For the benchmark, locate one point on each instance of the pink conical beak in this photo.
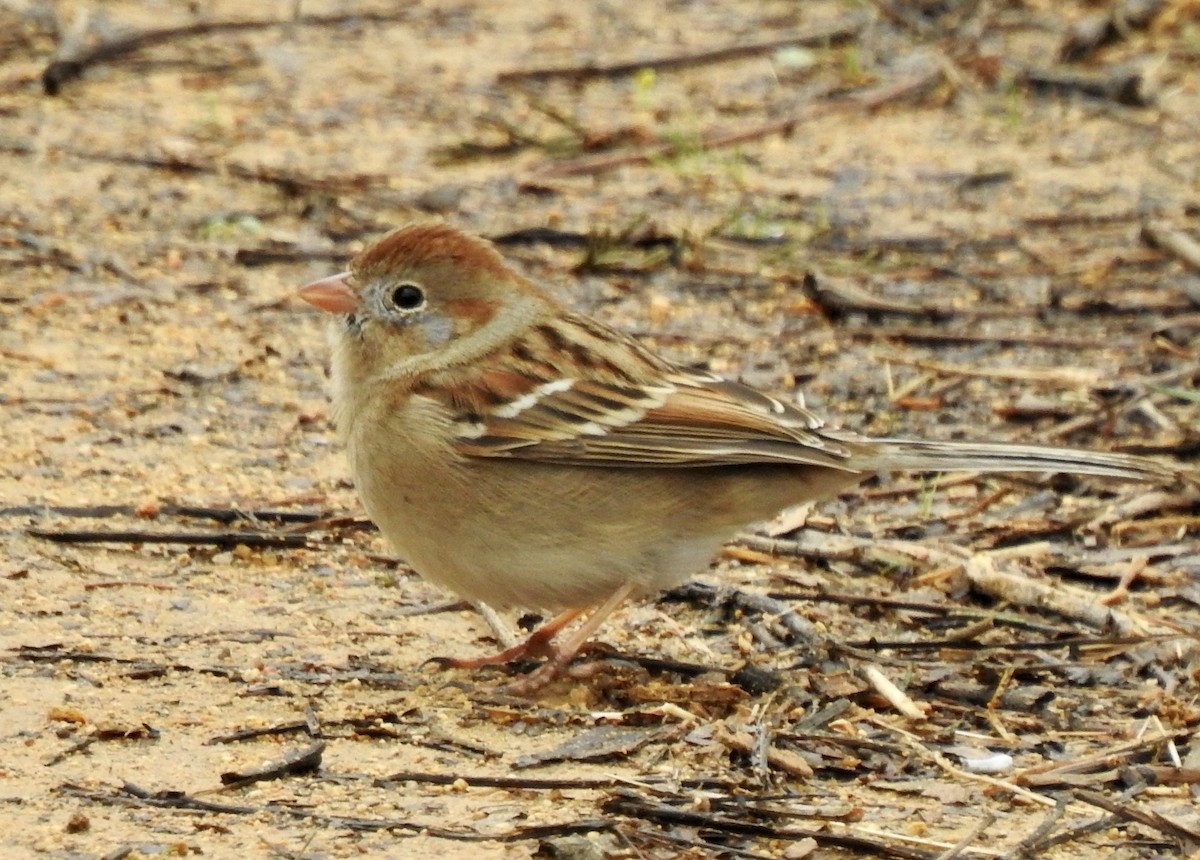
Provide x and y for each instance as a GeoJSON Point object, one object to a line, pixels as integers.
{"type": "Point", "coordinates": [331, 294]}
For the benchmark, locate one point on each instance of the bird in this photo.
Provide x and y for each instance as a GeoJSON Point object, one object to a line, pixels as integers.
{"type": "Point", "coordinates": [521, 453]}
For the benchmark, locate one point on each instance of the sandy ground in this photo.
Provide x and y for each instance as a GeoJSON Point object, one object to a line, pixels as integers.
{"type": "Point", "coordinates": [150, 357]}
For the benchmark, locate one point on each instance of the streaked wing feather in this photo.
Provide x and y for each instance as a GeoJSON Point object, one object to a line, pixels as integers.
{"type": "Point", "coordinates": [677, 420]}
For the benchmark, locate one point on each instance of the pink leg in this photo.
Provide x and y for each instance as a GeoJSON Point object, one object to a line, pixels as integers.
{"type": "Point", "coordinates": [560, 656]}
{"type": "Point", "coordinates": [539, 644]}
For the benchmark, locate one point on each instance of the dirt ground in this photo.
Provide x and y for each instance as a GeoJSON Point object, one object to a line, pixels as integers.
{"type": "Point", "coordinates": [925, 217]}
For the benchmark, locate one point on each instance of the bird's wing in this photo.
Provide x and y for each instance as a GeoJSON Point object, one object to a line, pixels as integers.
{"type": "Point", "coordinates": [538, 401]}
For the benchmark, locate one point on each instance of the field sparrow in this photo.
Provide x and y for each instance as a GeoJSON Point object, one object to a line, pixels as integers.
{"type": "Point", "coordinates": [520, 453]}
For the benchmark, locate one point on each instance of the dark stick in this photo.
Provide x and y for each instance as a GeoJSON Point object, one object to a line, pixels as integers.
{"type": "Point", "coordinates": [222, 539]}
{"type": "Point", "coordinates": [516, 783]}
{"type": "Point", "coordinates": [65, 69]}
{"type": "Point", "coordinates": [296, 763]}
{"type": "Point", "coordinates": [251, 734]}
{"type": "Point", "coordinates": [866, 100]}
{"type": "Point", "coordinates": [1122, 85]}
{"type": "Point", "coordinates": [132, 795]}
{"type": "Point", "coordinates": [1154, 820]}
{"type": "Point", "coordinates": [221, 515]}
{"type": "Point", "coordinates": [835, 34]}
{"type": "Point", "coordinates": [627, 803]}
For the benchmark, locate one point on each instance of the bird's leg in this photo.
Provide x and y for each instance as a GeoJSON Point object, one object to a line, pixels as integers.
{"type": "Point", "coordinates": [558, 657]}
{"type": "Point", "coordinates": [538, 644]}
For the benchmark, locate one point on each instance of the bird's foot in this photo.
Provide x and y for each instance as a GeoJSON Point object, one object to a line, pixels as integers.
{"type": "Point", "coordinates": [538, 645]}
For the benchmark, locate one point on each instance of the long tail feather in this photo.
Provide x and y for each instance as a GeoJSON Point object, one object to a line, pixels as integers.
{"type": "Point", "coordinates": [906, 454]}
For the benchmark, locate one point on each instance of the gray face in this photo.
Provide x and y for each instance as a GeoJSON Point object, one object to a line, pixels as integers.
{"type": "Point", "coordinates": [404, 304]}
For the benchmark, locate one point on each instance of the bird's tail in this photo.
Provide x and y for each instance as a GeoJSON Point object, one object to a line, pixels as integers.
{"type": "Point", "coordinates": [913, 455]}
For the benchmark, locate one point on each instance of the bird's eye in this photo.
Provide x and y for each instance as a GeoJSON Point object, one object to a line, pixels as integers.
{"type": "Point", "coordinates": [407, 297]}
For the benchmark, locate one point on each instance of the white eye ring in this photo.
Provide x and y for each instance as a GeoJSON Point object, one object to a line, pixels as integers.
{"type": "Point", "coordinates": [406, 297]}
